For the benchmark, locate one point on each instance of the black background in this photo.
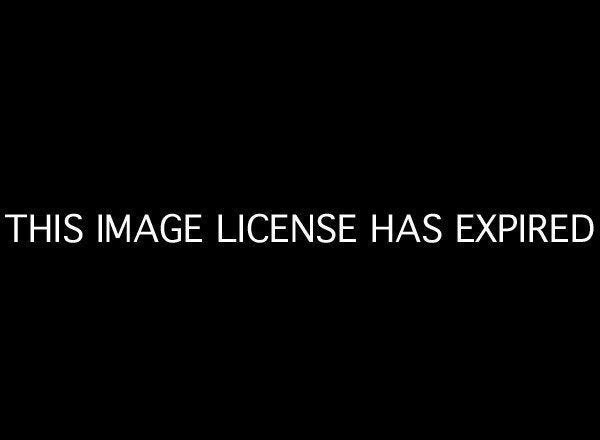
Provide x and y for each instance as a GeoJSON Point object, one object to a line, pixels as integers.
{"type": "Point", "coordinates": [386, 112]}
